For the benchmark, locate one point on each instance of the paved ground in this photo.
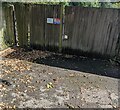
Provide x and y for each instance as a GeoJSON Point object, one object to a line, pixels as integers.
{"type": "Point", "coordinates": [33, 85]}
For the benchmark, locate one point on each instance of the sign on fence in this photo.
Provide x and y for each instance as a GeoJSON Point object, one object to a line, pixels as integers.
{"type": "Point", "coordinates": [56, 21]}
{"type": "Point", "coordinates": [50, 20]}
{"type": "Point", "coordinates": [53, 20]}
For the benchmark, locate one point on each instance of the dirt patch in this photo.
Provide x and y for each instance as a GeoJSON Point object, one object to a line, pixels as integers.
{"type": "Point", "coordinates": [43, 85]}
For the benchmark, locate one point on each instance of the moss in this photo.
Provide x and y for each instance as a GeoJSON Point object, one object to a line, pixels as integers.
{"type": "Point", "coordinates": [3, 45]}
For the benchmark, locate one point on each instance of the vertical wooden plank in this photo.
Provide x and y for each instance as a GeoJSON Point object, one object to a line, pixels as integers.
{"type": "Point", "coordinates": [115, 33]}
{"type": "Point", "coordinates": [118, 40]}
{"type": "Point", "coordinates": [69, 26]}
{"type": "Point", "coordinates": [52, 31]}
{"type": "Point", "coordinates": [2, 27]}
{"type": "Point", "coordinates": [37, 38]}
{"type": "Point", "coordinates": [9, 32]}
{"type": "Point", "coordinates": [28, 21]}
{"type": "Point", "coordinates": [21, 12]}
{"type": "Point", "coordinates": [112, 33]}
{"type": "Point", "coordinates": [49, 28]}
{"type": "Point", "coordinates": [61, 28]}
{"type": "Point", "coordinates": [1, 15]}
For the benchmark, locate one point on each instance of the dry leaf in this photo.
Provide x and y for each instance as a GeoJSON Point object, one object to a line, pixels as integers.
{"type": "Point", "coordinates": [49, 85]}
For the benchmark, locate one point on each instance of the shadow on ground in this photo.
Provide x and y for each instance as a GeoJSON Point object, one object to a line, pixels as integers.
{"type": "Point", "coordinates": [72, 62]}
{"type": "Point", "coordinates": [88, 65]}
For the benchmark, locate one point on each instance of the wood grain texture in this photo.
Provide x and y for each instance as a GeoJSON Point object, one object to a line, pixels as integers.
{"type": "Point", "coordinates": [42, 34]}
{"type": "Point", "coordinates": [9, 31]}
{"type": "Point", "coordinates": [21, 13]}
{"type": "Point", "coordinates": [37, 25]}
{"type": "Point", "coordinates": [118, 41]}
{"type": "Point", "coordinates": [91, 30]}
{"type": "Point", "coordinates": [52, 31]}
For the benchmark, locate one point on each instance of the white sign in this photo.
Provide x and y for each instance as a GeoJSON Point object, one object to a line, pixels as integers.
{"type": "Point", "coordinates": [50, 20]}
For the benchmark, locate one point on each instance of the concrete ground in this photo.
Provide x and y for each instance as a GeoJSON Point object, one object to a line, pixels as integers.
{"type": "Point", "coordinates": [25, 83]}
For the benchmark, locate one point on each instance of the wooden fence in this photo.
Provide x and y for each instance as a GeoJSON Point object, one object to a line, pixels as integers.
{"type": "Point", "coordinates": [9, 34]}
{"type": "Point", "coordinates": [89, 30]}
{"type": "Point", "coordinates": [92, 30]}
{"type": "Point", "coordinates": [42, 34]}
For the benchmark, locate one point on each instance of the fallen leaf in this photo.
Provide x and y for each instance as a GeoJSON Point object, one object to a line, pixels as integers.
{"type": "Point", "coordinates": [49, 85]}
{"type": "Point", "coordinates": [69, 105]}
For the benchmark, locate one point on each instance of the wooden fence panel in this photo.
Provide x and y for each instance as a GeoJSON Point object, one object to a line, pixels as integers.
{"type": "Point", "coordinates": [37, 26]}
{"type": "Point", "coordinates": [91, 30]}
{"type": "Point", "coordinates": [44, 35]}
{"type": "Point", "coordinates": [52, 31]}
{"type": "Point", "coordinates": [21, 13]}
{"type": "Point", "coordinates": [119, 34]}
{"type": "Point", "coordinates": [9, 36]}
{"type": "Point", "coordinates": [118, 42]}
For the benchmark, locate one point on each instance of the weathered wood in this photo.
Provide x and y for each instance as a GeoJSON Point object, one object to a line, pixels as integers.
{"type": "Point", "coordinates": [37, 23]}
{"type": "Point", "coordinates": [52, 31]}
{"type": "Point", "coordinates": [118, 41]}
{"type": "Point", "coordinates": [9, 35]}
{"type": "Point", "coordinates": [91, 30]}
{"type": "Point", "coordinates": [21, 13]}
{"type": "Point", "coordinates": [61, 28]}
{"type": "Point", "coordinates": [42, 34]}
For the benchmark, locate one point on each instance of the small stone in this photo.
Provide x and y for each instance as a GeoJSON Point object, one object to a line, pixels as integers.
{"type": "Point", "coordinates": [14, 94]}
{"type": "Point", "coordinates": [113, 96]}
{"type": "Point", "coordinates": [13, 86]}
{"type": "Point", "coordinates": [71, 75]}
{"type": "Point", "coordinates": [25, 91]}
{"type": "Point", "coordinates": [50, 73]}
{"type": "Point", "coordinates": [1, 95]}
{"type": "Point", "coordinates": [1, 86]}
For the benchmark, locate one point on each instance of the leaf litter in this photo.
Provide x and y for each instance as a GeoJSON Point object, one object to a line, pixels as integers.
{"type": "Point", "coordinates": [14, 64]}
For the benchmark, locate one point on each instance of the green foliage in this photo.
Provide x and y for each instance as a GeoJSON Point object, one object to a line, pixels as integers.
{"type": "Point", "coordinates": [82, 4]}
{"type": "Point", "coordinates": [96, 4]}
{"type": "Point", "coordinates": [116, 5]}
{"type": "Point", "coordinates": [86, 4]}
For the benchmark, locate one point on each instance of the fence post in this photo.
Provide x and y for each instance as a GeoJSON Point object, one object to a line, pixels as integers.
{"type": "Point", "coordinates": [118, 41]}
{"type": "Point", "coordinates": [9, 36]}
{"type": "Point", "coordinates": [61, 27]}
{"type": "Point", "coordinates": [21, 13]}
